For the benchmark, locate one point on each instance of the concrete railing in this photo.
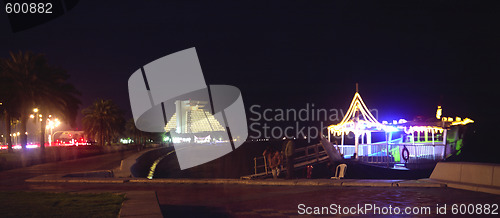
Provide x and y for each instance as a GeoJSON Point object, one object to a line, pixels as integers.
{"type": "Point", "coordinates": [482, 177]}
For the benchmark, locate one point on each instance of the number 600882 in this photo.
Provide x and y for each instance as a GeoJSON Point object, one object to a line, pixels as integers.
{"type": "Point", "coordinates": [28, 8]}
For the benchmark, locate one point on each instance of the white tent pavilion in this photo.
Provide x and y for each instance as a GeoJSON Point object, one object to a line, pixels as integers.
{"type": "Point", "coordinates": [360, 121]}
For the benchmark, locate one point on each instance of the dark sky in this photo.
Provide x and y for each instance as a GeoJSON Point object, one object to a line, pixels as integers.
{"type": "Point", "coordinates": [407, 56]}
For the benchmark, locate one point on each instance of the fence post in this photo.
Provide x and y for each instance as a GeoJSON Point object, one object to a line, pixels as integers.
{"type": "Point", "coordinates": [255, 165]}
{"type": "Point", "coordinates": [265, 164]}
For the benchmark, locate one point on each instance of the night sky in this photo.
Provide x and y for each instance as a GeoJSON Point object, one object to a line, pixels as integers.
{"type": "Point", "coordinates": [407, 56]}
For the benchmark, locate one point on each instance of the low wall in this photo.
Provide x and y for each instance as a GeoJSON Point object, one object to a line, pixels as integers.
{"type": "Point", "coordinates": [482, 177]}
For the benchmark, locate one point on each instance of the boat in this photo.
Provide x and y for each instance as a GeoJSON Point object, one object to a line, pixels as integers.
{"type": "Point", "coordinates": [385, 149]}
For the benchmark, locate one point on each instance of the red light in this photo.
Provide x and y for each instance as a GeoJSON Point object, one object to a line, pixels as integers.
{"type": "Point", "coordinates": [70, 135]}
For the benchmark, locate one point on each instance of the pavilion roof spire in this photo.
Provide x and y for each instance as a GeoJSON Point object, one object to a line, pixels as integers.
{"type": "Point", "coordinates": [348, 123]}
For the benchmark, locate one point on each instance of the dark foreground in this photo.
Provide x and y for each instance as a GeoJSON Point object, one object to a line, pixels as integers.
{"type": "Point", "coordinates": [204, 200]}
{"type": "Point", "coordinates": [234, 200]}
{"type": "Point", "coordinates": [44, 204]}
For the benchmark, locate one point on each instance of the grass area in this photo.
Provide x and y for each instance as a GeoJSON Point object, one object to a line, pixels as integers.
{"type": "Point", "coordinates": [46, 204]}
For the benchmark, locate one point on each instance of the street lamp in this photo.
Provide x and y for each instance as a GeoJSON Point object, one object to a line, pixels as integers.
{"type": "Point", "coordinates": [51, 125]}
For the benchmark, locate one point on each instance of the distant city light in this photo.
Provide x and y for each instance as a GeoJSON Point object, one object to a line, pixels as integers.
{"type": "Point", "coordinates": [126, 140]}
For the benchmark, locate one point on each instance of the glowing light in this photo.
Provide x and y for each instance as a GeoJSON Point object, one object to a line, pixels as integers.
{"type": "Point", "coordinates": [439, 112]}
{"type": "Point", "coordinates": [122, 140]}
{"type": "Point", "coordinates": [391, 129]}
{"type": "Point", "coordinates": [202, 140]}
{"type": "Point", "coordinates": [166, 139]}
{"type": "Point", "coordinates": [32, 116]}
{"type": "Point", "coordinates": [53, 123]}
{"type": "Point", "coordinates": [402, 121]}
{"type": "Point", "coordinates": [349, 122]}
{"type": "Point", "coordinates": [462, 122]}
{"type": "Point", "coordinates": [31, 146]}
{"type": "Point", "coordinates": [153, 166]}
{"type": "Point", "coordinates": [35, 110]}
{"type": "Point", "coordinates": [181, 140]}
{"type": "Point", "coordinates": [433, 129]}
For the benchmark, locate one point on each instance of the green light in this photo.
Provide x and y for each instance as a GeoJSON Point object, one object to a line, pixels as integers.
{"type": "Point", "coordinates": [166, 139]}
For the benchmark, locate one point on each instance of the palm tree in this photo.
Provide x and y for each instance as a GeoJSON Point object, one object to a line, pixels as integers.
{"type": "Point", "coordinates": [137, 135]}
{"type": "Point", "coordinates": [37, 84]}
{"type": "Point", "coordinates": [103, 120]}
{"type": "Point", "coordinates": [8, 103]}
{"type": "Point", "coordinates": [57, 97]}
{"type": "Point", "coordinates": [22, 70]}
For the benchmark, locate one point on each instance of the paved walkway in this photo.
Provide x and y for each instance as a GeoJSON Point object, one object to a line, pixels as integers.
{"type": "Point", "coordinates": [140, 204]}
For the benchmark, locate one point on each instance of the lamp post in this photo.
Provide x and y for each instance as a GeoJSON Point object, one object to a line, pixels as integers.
{"type": "Point", "coordinates": [51, 125]}
{"type": "Point", "coordinates": [35, 116]}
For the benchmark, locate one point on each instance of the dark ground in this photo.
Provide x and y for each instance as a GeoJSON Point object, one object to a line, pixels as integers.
{"type": "Point", "coordinates": [190, 200]}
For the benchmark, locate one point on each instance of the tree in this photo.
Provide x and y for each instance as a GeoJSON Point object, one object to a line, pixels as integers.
{"type": "Point", "coordinates": [9, 105]}
{"type": "Point", "coordinates": [132, 131]}
{"type": "Point", "coordinates": [34, 83]}
{"type": "Point", "coordinates": [56, 97]}
{"type": "Point", "coordinates": [103, 120]}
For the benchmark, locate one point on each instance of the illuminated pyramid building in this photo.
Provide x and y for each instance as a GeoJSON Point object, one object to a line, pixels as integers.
{"type": "Point", "coordinates": [191, 117]}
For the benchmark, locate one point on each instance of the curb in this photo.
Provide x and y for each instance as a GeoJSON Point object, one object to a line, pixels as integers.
{"type": "Point", "coordinates": [466, 186]}
{"type": "Point", "coordinates": [299, 182]}
{"type": "Point", "coordinates": [61, 178]}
